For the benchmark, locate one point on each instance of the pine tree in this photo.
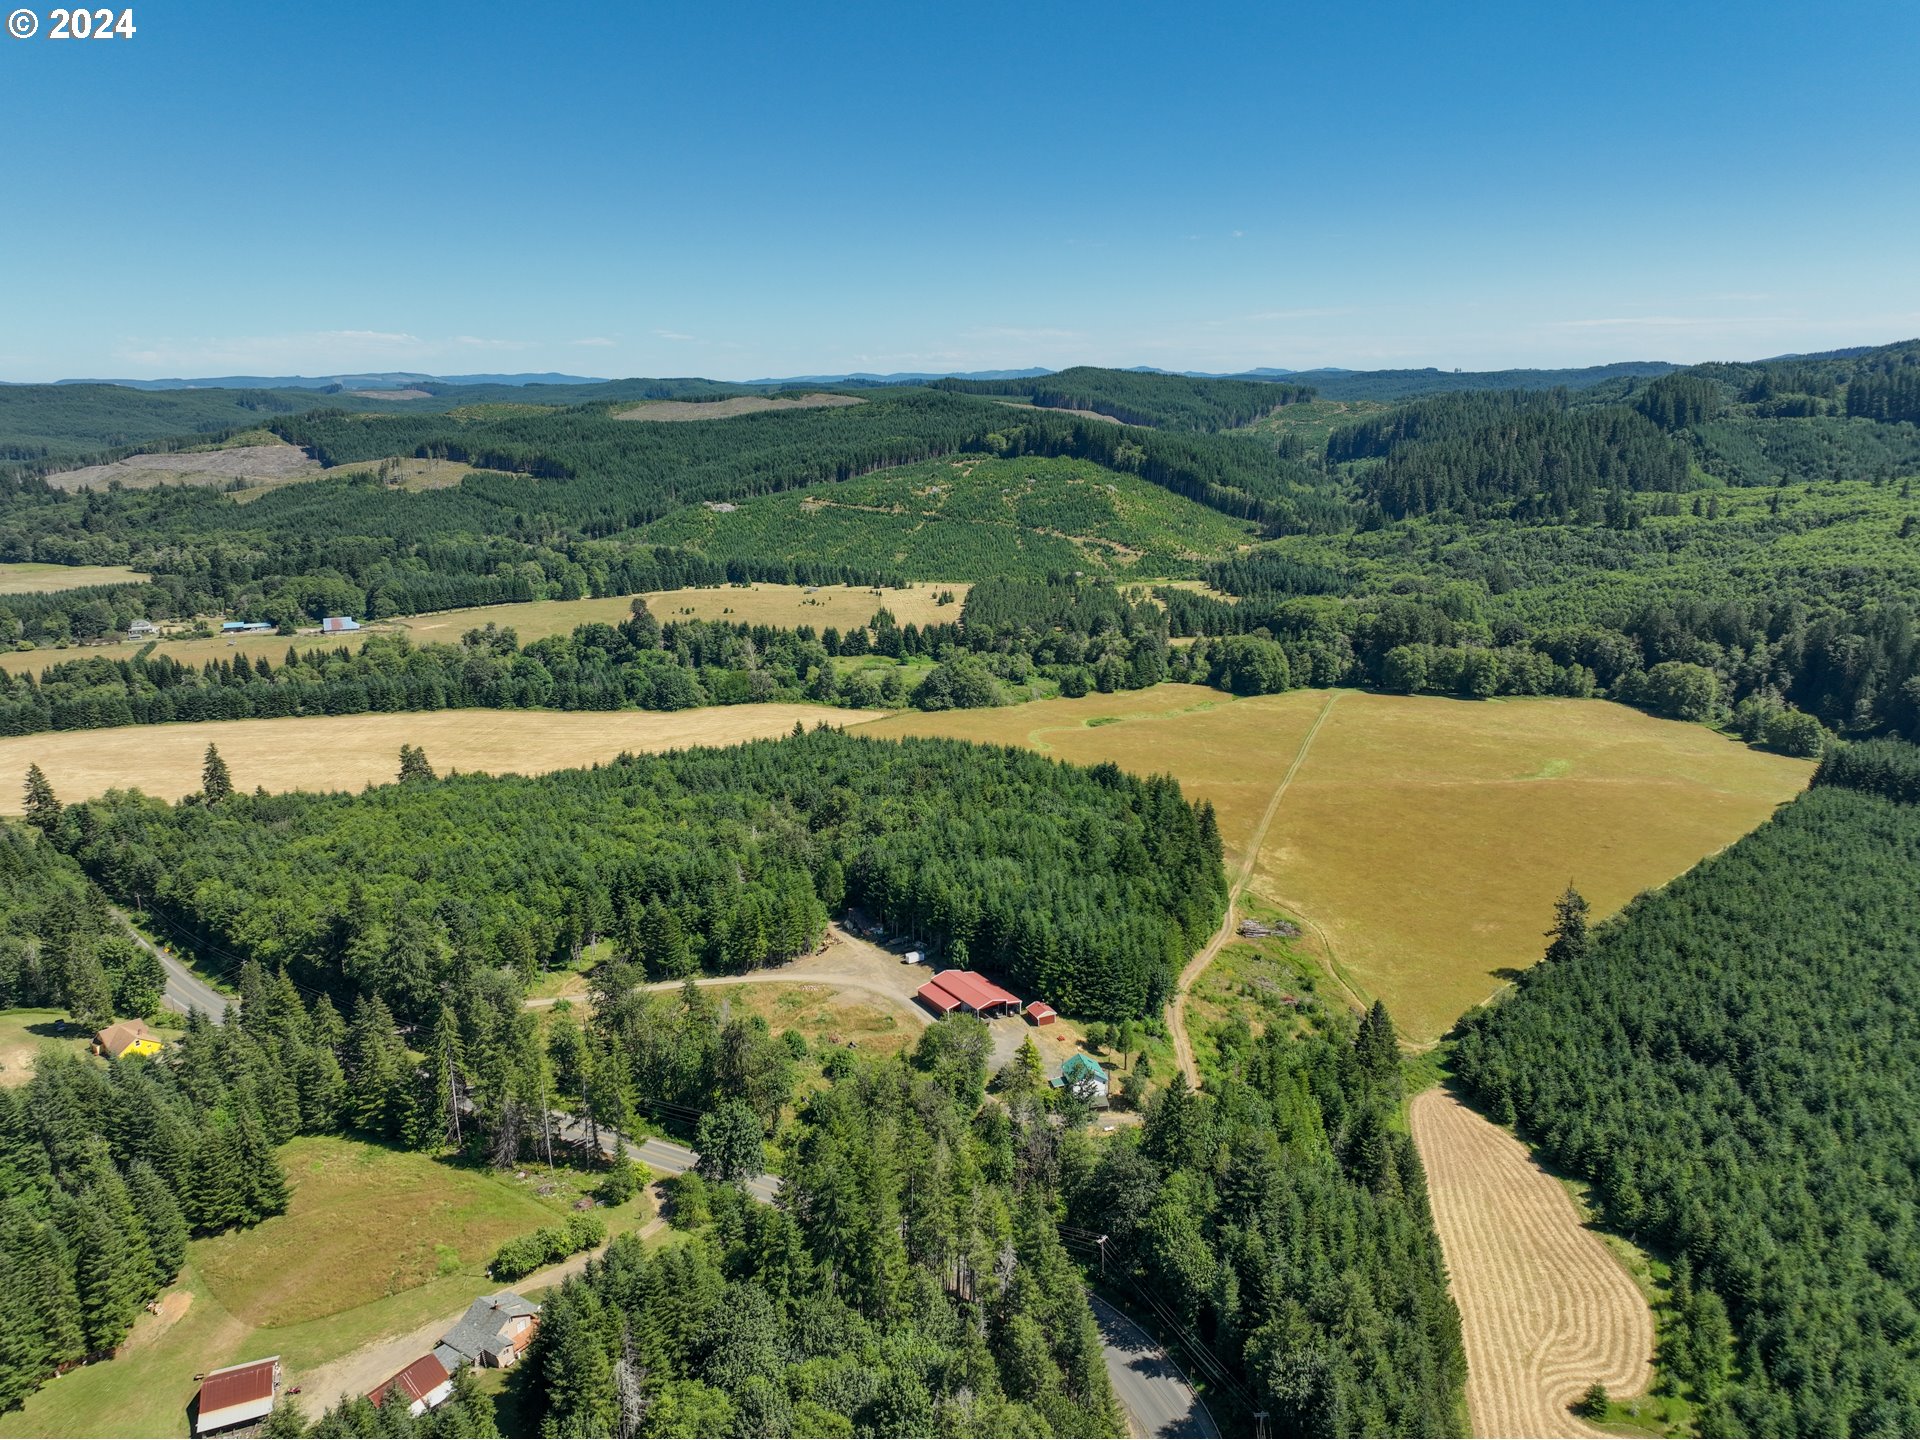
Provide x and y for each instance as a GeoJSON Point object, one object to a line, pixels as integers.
{"type": "Point", "coordinates": [216, 781]}
{"type": "Point", "coordinates": [1569, 937]}
{"type": "Point", "coordinates": [89, 997]}
{"type": "Point", "coordinates": [160, 1219]}
{"type": "Point", "coordinates": [414, 764]}
{"type": "Point", "coordinates": [43, 809]}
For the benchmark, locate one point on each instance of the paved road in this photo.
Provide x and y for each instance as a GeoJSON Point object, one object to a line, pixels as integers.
{"type": "Point", "coordinates": [1150, 1387]}
{"type": "Point", "coordinates": [665, 1155]}
{"type": "Point", "coordinates": [185, 991]}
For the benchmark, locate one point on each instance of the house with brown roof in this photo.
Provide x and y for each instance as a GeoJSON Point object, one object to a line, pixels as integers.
{"type": "Point", "coordinates": [424, 1385]}
{"type": "Point", "coordinates": [127, 1037]}
{"type": "Point", "coordinates": [237, 1395]}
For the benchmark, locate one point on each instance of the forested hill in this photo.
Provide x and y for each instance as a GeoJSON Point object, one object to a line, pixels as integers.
{"type": "Point", "coordinates": [1090, 887]}
{"type": "Point", "coordinates": [1731, 1062]}
{"type": "Point", "coordinates": [73, 424]}
{"type": "Point", "coordinates": [1393, 385]}
{"type": "Point", "coordinates": [1170, 402]}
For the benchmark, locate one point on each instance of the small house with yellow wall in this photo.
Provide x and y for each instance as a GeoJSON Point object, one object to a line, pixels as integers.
{"type": "Point", "coordinates": [127, 1037]}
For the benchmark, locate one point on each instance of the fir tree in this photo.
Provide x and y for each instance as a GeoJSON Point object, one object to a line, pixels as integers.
{"type": "Point", "coordinates": [43, 809]}
{"type": "Point", "coordinates": [216, 781]}
{"type": "Point", "coordinates": [1569, 938]}
{"type": "Point", "coordinates": [160, 1219]}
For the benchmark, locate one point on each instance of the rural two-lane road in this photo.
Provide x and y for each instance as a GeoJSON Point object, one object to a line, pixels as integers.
{"type": "Point", "coordinates": [185, 991]}
{"type": "Point", "coordinates": [1156, 1397]}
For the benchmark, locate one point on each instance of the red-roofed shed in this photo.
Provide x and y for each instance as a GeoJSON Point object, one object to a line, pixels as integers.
{"type": "Point", "coordinates": [423, 1384]}
{"type": "Point", "coordinates": [237, 1395]}
{"type": "Point", "coordinates": [937, 998]}
{"type": "Point", "coordinates": [1041, 1013]}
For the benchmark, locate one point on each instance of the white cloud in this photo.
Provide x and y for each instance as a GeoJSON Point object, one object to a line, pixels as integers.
{"type": "Point", "coordinates": [674, 335]}
{"type": "Point", "coordinates": [599, 341]}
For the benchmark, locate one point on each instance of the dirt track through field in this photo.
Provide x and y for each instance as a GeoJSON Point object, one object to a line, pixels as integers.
{"type": "Point", "coordinates": [1545, 1308]}
{"type": "Point", "coordinates": [1177, 1013]}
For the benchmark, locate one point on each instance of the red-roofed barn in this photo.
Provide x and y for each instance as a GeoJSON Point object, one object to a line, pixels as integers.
{"type": "Point", "coordinates": [237, 1395]}
{"type": "Point", "coordinates": [952, 990]}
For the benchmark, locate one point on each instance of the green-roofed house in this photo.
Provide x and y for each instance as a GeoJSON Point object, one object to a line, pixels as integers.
{"type": "Point", "coordinates": [1080, 1069]}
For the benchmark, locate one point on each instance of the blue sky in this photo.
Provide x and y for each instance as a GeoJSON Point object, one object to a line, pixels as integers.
{"type": "Point", "coordinates": [735, 191]}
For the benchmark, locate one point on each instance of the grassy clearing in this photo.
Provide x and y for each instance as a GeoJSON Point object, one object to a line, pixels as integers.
{"type": "Point", "coordinates": [405, 472]}
{"type": "Point", "coordinates": [26, 1034]}
{"type": "Point", "coordinates": [730, 407]}
{"type": "Point", "coordinates": [346, 752]}
{"type": "Point", "coordinates": [374, 1242]}
{"type": "Point", "coordinates": [1424, 840]}
{"type": "Point", "coordinates": [32, 578]}
{"type": "Point", "coordinates": [435, 1219]}
{"type": "Point", "coordinates": [1314, 421]}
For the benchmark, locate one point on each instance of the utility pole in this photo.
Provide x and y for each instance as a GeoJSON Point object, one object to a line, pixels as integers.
{"type": "Point", "coordinates": [1260, 1425]}
{"type": "Point", "coordinates": [546, 1120]}
{"type": "Point", "coordinates": [1103, 1257]}
{"type": "Point", "coordinates": [453, 1102]}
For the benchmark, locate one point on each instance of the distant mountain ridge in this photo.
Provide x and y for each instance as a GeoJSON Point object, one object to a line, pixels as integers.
{"type": "Point", "coordinates": [381, 380]}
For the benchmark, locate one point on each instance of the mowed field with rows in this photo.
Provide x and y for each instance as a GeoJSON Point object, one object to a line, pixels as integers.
{"type": "Point", "coordinates": [1424, 840]}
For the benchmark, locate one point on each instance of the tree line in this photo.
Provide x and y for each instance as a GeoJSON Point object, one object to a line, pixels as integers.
{"type": "Point", "coordinates": [1729, 1064]}
{"type": "Point", "coordinates": [1089, 886]}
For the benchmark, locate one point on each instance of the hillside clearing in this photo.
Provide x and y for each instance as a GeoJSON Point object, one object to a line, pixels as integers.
{"type": "Point", "coordinates": [1423, 840]}
{"type": "Point", "coordinates": [346, 752]}
{"type": "Point", "coordinates": [33, 578]}
{"type": "Point", "coordinates": [730, 407]}
{"type": "Point", "coordinates": [26, 1034]}
{"type": "Point", "coordinates": [266, 465]}
{"type": "Point", "coordinates": [1545, 1309]}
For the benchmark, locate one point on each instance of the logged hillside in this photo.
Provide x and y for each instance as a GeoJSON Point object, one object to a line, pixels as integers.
{"type": "Point", "coordinates": [973, 516]}
{"type": "Point", "coordinates": [1729, 1063]}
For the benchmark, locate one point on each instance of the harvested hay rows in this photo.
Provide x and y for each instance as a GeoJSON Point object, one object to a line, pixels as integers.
{"type": "Point", "coordinates": [1546, 1310]}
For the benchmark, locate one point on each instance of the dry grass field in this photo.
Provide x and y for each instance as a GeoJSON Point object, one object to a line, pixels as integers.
{"type": "Point", "coordinates": [728, 408]}
{"type": "Point", "coordinates": [32, 578]}
{"type": "Point", "coordinates": [1423, 839]}
{"type": "Point", "coordinates": [188, 652]}
{"type": "Point", "coordinates": [346, 752]}
{"type": "Point", "coordinates": [786, 605]}
{"type": "Point", "coordinates": [1545, 1308]}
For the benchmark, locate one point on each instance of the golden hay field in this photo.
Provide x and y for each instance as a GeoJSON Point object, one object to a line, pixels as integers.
{"type": "Point", "coordinates": [32, 578]}
{"type": "Point", "coordinates": [787, 605]}
{"type": "Point", "coordinates": [1423, 839]}
{"type": "Point", "coordinates": [345, 752]}
{"type": "Point", "coordinates": [1545, 1309]}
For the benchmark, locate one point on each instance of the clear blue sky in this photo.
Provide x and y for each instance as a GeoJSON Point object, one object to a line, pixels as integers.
{"type": "Point", "coordinates": [622, 189]}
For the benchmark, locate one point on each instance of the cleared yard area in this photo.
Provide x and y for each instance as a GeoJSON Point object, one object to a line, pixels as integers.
{"type": "Point", "coordinates": [24, 1034]}
{"type": "Point", "coordinates": [187, 652]}
{"type": "Point", "coordinates": [1545, 1309]}
{"type": "Point", "coordinates": [375, 1243]}
{"type": "Point", "coordinates": [32, 578]}
{"type": "Point", "coordinates": [1423, 840]}
{"type": "Point", "coordinates": [730, 407]}
{"type": "Point", "coordinates": [346, 752]}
